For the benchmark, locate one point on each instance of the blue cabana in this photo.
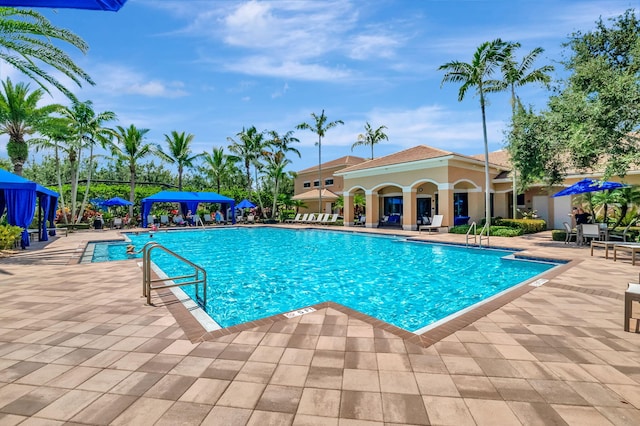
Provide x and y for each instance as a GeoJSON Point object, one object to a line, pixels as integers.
{"type": "Point", "coordinates": [18, 197]}
{"type": "Point", "coordinates": [187, 200]}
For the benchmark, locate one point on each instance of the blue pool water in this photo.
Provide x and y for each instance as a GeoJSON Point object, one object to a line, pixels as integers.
{"type": "Point", "coordinates": [256, 272]}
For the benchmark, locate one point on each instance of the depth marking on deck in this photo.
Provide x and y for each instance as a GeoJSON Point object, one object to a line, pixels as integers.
{"type": "Point", "coordinates": [299, 312]}
{"type": "Point", "coordinates": [538, 282]}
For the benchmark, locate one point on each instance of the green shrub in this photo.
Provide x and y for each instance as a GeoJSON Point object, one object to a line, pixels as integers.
{"type": "Point", "coordinates": [9, 235]}
{"type": "Point", "coordinates": [498, 231]}
{"type": "Point", "coordinates": [558, 235]}
{"type": "Point", "coordinates": [506, 231]}
{"type": "Point", "coordinates": [528, 226]}
{"type": "Point", "coordinates": [460, 229]}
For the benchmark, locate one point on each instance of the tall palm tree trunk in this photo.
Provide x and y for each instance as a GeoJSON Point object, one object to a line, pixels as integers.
{"type": "Point", "coordinates": [132, 189]}
{"type": "Point", "coordinates": [85, 198]}
{"type": "Point", "coordinates": [59, 179]}
{"type": "Point", "coordinates": [319, 174]}
{"type": "Point", "coordinates": [75, 177]}
{"type": "Point", "coordinates": [487, 196]}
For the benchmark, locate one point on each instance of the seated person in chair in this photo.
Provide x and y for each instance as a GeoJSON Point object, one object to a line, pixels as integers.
{"type": "Point", "coordinates": [581, 216]}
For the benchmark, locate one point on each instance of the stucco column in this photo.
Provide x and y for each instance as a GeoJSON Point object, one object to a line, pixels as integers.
{"type": "Point", "coordinates": [476, 206]}
{"type": "Point", "coordinates": [409, 215]}
{"type": "Point", "coordinates": [445, 203]}
{"type": "Point", "coordinates": [372, 212]}
{"type": "Point", "coordinates": [347, 212]}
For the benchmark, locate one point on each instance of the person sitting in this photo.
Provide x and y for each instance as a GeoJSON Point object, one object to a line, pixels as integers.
{"type": "Point", "coordinates": [219, 218]}
{"type": "Point", "coordinates": [178, 220]}
{"type": "Point", "coordinates": [581, 216]}
{"type": "Point", "coordinates": [189, 218]}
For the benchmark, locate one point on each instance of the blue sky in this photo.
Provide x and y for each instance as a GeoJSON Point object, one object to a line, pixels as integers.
{"type": "Point", "coordinates": [211, 68]}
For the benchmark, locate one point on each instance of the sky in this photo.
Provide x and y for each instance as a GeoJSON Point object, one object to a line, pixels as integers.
{"type": "Point", "coordinates": [214, 67]}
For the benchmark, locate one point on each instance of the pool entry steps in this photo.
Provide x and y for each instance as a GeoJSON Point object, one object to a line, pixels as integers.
{"type": "Point", "coordinates": [198, 277]}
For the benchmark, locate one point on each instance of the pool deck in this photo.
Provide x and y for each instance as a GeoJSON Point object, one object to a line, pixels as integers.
{"type": "Point", "coordinates": [79, 346]}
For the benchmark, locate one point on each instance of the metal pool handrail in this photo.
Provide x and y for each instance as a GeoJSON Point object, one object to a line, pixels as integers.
{"type": "Point", "coordinates": [471, 228]}
{"type": "Point", "coordinates": [482, 231]}
{"type": "Point", "coordinates": [147, 280]}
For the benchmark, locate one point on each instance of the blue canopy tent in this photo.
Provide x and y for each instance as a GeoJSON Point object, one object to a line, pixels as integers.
{"type": "Point", "coordinates": [187, 200]}
{"type": "Point", "coordinates": [245, 204]}
{"type": "Point", "coordinates": [116, 201]}
{"type": "Point", "coordinates": [110, 5]}
{"type": "Point", "coordinates": [588, 185]}
{"type": "Point", "coordinates": [18, 197]}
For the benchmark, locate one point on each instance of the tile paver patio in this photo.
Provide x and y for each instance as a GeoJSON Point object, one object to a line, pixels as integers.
{"type": "Point", "coordinates": [78, 346]}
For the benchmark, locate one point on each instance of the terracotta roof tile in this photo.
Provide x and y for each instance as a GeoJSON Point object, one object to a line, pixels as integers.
{"type": "Point", "coordinates": [500, 158]}
{"type": "Point", "coordinates": [417, 153]}
{"type": "Point", "coordinates": [347, 160]}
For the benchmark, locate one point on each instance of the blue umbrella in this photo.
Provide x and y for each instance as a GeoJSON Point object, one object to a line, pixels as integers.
{"type": "Point", "coordinates": [245, 204]}
{"type": "Point", "coordinates": [111, 5]}
{"type": "Point", "coordinates": [588, 185]}
{"type": "Point", "coordinates": [116, 201]}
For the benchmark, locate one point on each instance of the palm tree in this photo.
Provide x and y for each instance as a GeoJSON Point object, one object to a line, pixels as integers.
{"type": "Point", "coordinates": [626, 196]}
{"type": "Point", "coordinates": [56, 136]}
{"type": "Point", "coordinates": [248, 149]}
{"type": "Point", "coordinates": [27, 37]}
{"type": "Point", "coordinates": [604, 199]}
{"type": "Point", "coordinates": [276, 163]}
{"type": "Point", "coordinates": [478, 73]}
{"type": "Point", "coordinates": [282, 142]}
{"type": "Point", "coordinates": [130, 148]}
{"type": "Point", "coordinates": [179, 152]}
{"type": "Point", "coordinates": [319, 127]}
{"type": "Point", "coordinates": [88, 129]}
{"type": "Point", "coordinates": [219, 165]}
{"type": "Point", "coordinates": [20, 116]}
{"type": "Point", "coordinates": [517, 75]}
{"type": "Point", "coordinates": [370, 137]}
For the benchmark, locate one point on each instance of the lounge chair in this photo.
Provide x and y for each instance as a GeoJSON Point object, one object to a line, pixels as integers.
{"type": "Point", "coordinates": [304, 218]}
{"type": "Point", "coordinates": [632, 248]}
{"type": "Point", "coordinates": [251, 219]}
{"type": "Point", "coordinates": [197, 220]}
{"type": "Point", "coordinates": [207, 219]}
{"type": "Point", "coordinates": [164, 220]}
{"type": "Point", "coordinates": [322, 217]}
{"type": "Point", "coordinates": [295, 219]}
{"type": "Point", "coordinates": [569, 233]}
{"type": "Point", "coordinates": [117, 223]}
{"type": "Point", "coordinates": [179, 220]}
{"type": "Point", "coordinates": [331, 218]}
{"type": "Point", "coordinates": [622, 236]}
{"type": "Point", "coordinates": [436, 223]}
{"type": "Point", "coordinates": [311, 218]}
{"type": "Point", "coordinates": [361, 221]}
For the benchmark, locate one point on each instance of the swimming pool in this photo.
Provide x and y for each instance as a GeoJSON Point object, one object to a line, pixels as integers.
{"type": "Point", "coordinates": [256, 272]}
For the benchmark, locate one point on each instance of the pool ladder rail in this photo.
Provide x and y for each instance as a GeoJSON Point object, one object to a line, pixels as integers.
{"type": "Point", "coordinates": [199, 276]}
{"type": "Point", "coordinates": [473, 227]}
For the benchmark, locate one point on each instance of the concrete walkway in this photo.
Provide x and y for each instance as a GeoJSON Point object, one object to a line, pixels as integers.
{"type": "Point", "coordinates": [79, 346]}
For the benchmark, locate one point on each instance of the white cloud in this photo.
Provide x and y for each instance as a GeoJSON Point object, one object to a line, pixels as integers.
{"type": "Point", "coordinates": [119, 79]}
{"type": "Point", "coordinates": [281, 92]}
{"type": "Point", "coordinates": [265, 66]}
{"type": "Point", "coordinates": [373, 46]}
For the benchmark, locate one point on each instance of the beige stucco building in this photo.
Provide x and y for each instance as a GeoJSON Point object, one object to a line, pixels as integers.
{"type": "Point", "coordinates": [307, 184]}
{"type": "Point", "coordinates": [425, 181]}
